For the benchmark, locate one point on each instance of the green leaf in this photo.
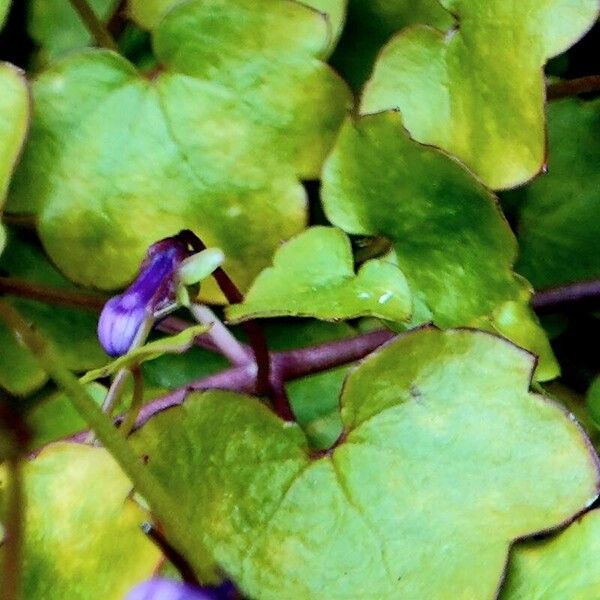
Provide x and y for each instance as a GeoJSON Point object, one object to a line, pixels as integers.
{"type": "Point", "coordinates": [175, 344]}
{"type": "Point", "coordinates": [148, 13]}
{"type": "Point", "coordinates": [450, 238]}
{"type": "Point", "coordinates": [82, 533]}
{"type": "Point", "coordinates": [4, 10]}
{"type": "Point", "coordinates": [478, 92]}
{"type": "Point", "coordinates": [433, 419]}
{"type": "Point", "coordinates": [449, 235]}
{"type": "Point", "coordinates": [71, 332]}
{"type": "Point", "coordinates": [557, 568]}
{"type": "Point", "coordinates": [14, 122]}
{"type": "Point", "coordinates": [57, 28]}
{"type": "Point", "coordinates": [313, 276]}
{"type": "Point", "coordinates": [559, 213]}
{"type": "Point", "coordinates": [214, 141]}
{"type": "Point", "coordinates": [371, 24]}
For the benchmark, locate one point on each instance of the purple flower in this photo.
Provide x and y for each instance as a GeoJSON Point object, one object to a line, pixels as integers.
{"type": "Point", "coordinates": [154, 288]}
{"type": "Point", "coordinates": [165, 589]}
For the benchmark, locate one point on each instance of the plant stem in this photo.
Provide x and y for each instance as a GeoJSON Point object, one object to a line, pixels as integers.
{"type": "Point", "coordinates": [94, 25]}
{"type": "Point", "coordinates": [93, 302]}
{"type": "Point", "coordinates": [287, 366]}
{"type": "Point", "coordinates": [18, 435]}
{"type": "Point", "coordinates": [581, 295]}
{"type": "Point", "coordinates": [13, 536]}
{"type": "Point", "coordinates": [573, 87]}
{"type": "Point", "coordinates": [164, 507]}
{"type": "Point", "coordinates": [51, 295]}
{"type": "Point", "coordinates": [256, 337]}
{"type": "Point", "coordinates": [136, 402]}
{"type": "Point", "coordinates": [221, 337]}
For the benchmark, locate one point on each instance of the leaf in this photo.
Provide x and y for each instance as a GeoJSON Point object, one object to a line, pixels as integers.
{"type": "Point", "coordinates": [313, 276]}
{"type": "Point", "coordinates": [175, 344]}
{"type": "Point", "coordinates": [433, 419]}
{"type": "Point", "coordinates": [564, 566]}
{"type": "Point", "coordinates": [72, 332]}
{"type": "Point", "coordinates": [14, 121]}
{"type": "Point", "coordinates": [57, 28]}
{"type": "Point", "coordinates": [479, 100]}
{"type": "Point", "coordinates": [371, 24]}
{"type": "Point", "coordinates": [4, 10]}
{"type": "Point", "coordinates": [559, 213]}
{"type": "Point", "coordinates": [214, 141]}
{"type": "Point", "coordinates": [148, 13]}
{"type": "Point", "coordinates": [450, 238]}
{"type": "Point", "coordinates": [82, 534]}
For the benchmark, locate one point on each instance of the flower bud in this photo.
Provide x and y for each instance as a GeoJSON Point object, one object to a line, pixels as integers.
{"type": "Point", "coordinates": [124, 316]}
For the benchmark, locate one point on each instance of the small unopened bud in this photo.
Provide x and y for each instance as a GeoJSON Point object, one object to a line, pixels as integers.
{"type": "Point", "coordinates": [124, 316]}
{"type": "Point", "coordinates": [199, 266]}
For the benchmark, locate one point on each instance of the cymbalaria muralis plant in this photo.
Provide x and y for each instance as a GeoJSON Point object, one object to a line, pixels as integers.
{"type": "Point", "coordinates": [299, 300]}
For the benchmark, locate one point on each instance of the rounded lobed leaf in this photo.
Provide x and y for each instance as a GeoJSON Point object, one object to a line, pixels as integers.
{"type": "Point", "coordinates": [484, 100]}
{"type": "Point", "coordinates": [214, 141]}
{"type": "Point", "coordinates": [313, 276]}
{"type": "Point", "coordinates": [82, 531]}
{"type": "Point", "coordinates": [148, 13]}
{"type": "Point", "coordinates": [450, 238]}
{"type": "Point", "coordinates": [432, 419]}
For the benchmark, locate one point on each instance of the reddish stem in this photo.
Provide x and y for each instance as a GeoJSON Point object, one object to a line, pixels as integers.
{"type": "Point", "coordinates": [256, 337]}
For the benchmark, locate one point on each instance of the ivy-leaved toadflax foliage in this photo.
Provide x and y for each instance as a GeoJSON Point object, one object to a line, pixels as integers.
{"type": "Point", "coordinates": [299, 300]}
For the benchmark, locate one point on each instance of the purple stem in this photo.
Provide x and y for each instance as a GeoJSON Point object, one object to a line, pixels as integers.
{"type": "Point", "coordinates": [285, 366]}
{"type": "Point", "coordinates": [582, 295]}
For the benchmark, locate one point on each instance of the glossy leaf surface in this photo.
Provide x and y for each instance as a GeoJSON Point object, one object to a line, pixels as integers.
{"type": "Point", "coordinates": [485, 99]}
{"type": "Point", "coordinates": [451, 240]}
{"type": "Point", "coordinates": [199, 144]}
{"type": "Point", "coordinates": [313, 276]}
{"type": "Point", "coordinates": [148, 13]}
{"type": "Point", "coordinates": [285, 524]}
{"type": "Point", "coordinates": [83, 536]}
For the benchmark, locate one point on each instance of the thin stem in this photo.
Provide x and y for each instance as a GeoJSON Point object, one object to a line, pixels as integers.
{"type": "Point", "coordinates": [287, 366]}
{"type": "Point", "coordinates": [94, 25]}
{"type": "Point", "coordinates": [581, 295]}
{"type": "Point", "coordinates": [136, 402]}
{"type": "Point", "coordinates": [163, 506]}
{"type": "Point", "coordinates": [18, 435]}
{"type": "Point", "coordinates": [178, 561]}
{"type": "Point", "coordinates": [51, 295]}
{"type": "Point", "coordinates": [115, 391]}
{"type": "Point", "coordinates": [14, 529]}
{"type": "Point", "coordinates": [221, 337]}
{"type": "Point", "coordinates": [93, 302]}
{"type": "Point", "coordinates": [573, 87]}
{"type": "Point", "coordinates": [256, 337]}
